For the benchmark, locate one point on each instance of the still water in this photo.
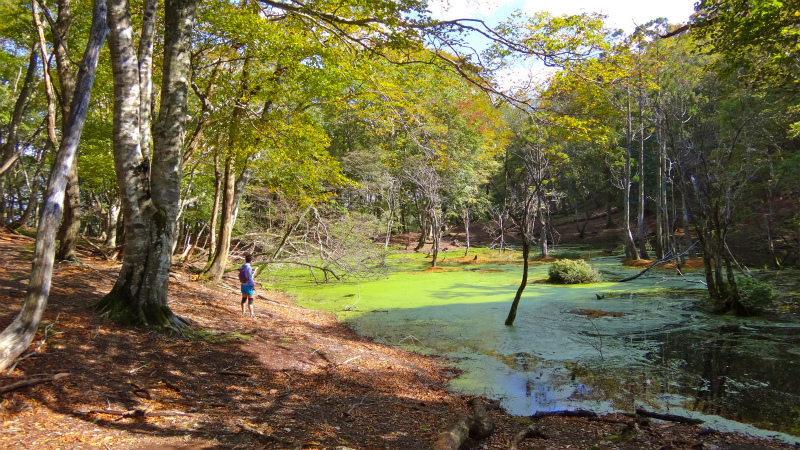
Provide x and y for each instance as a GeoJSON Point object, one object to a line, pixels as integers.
{"type": "Point", "coordinates": [663, 353]}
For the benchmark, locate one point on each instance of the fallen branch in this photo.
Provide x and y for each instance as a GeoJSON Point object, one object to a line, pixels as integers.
{"type": "Point", "coordinates": [137, 413]}
{"type": "Point", "coordinates": [668, 417]}
{"type": "Point", "coordinates": [478, 425]}
{"type": "Point", "coordinates": [531, 432]}
{"type": "Point", "coordinates": [343, 363]}
{"type": "Point", "coordinates": [94, 246]}
{"type": "Point", "coordinates": [667, 258]}
{"type": "Point", "coordinates": [575, 413]}
{"type": "Point", "coordinates": [26, 383]}
{"type": "Point", "coordinates": [234, 374]}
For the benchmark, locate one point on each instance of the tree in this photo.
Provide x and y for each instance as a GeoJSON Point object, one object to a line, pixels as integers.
{"type": "Point", "coordinates": [537, 157]}
{"type": "Point", "coordinates": [150, 191]}
{"type": "Point", "coordinates": [19, 334]}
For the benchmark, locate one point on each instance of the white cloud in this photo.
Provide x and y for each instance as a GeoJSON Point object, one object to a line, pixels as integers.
{"type": "Point", "coordinates": [623, 14]}
{"type": "Point", "coordinates": [464, 9]}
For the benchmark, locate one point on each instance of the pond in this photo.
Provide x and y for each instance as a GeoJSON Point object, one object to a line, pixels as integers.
{"type": "Point", "coordinates": [658, 350]}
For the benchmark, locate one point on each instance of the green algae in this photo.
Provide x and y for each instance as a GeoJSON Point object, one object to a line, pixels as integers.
{"type": "Point", "coordinates": [653, 355]}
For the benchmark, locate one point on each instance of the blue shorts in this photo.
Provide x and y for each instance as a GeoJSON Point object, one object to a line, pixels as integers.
{"type": "Point", "coordinates": [247, 290]}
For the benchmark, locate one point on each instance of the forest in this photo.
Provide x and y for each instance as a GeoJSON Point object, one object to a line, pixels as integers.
{"type": "Point", "coordinates": [309, 134]}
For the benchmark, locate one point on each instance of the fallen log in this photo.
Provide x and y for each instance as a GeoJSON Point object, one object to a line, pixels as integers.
{"type": "Point", "coordinates": [668, 417]}
{"type": "Point", "coordinates": [667, 258]}
{"type": "Point", "coordinates": [575, 413]}
{"type": "Point", "coordinates": [531, 432]}
{"type": "Point", "coordinates": [26, 383]}
{"type": "Point", "coordinates": [478, 425]}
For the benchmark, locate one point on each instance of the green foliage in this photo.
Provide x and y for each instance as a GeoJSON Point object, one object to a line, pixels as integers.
{"type": "Point", "coordinates": [755, 295]}
{"type": "Point", "coordinates": [572, 272]}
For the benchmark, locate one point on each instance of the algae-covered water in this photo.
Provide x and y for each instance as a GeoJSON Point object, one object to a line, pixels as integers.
{"type": "Point", "coordinates": [663, 353]}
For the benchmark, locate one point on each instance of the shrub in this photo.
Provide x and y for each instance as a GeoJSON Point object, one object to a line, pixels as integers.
{"type": "Point", "coordinates": [755, 295]}
{"type": "Point", "coordinates": [572, 272]}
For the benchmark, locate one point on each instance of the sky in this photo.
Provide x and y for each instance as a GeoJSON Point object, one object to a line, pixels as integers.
{"type": "Point", "coordinates": [624, 14]}
{"type": "Point", "coordinates": [621, 13]}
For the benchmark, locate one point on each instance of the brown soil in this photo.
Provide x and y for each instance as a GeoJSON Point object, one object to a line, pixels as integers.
{"type": "Point", "coordinates": [291, 379]}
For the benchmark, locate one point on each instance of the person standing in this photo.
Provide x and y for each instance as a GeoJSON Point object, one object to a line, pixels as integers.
{"type": "Point", "coordinates": [248, 285]}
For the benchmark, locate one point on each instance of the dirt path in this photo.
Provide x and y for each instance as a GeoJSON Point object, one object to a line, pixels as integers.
{"type": "Point", "coordinates": [293, 378]}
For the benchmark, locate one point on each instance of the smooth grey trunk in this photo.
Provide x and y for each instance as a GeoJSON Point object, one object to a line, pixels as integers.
{"type": "Point", "coordinates": [145, 58]}
{"type": "Point", "coordinates": [113, 218]}
{"type": "Point", "coordinates": [627, 235]}
{"type": "Point", "coordinates": [150, 193]}
{"type": "Point", "coordinates": [640, 231]}
{"type": "Point", "coordinates": [19, 334]}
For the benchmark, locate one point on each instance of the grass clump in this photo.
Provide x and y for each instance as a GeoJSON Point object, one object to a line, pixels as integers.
{"type": "Point", "coordinates": [568, 271]}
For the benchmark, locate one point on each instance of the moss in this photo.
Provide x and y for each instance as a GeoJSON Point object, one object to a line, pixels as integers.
{"type": "Point", "coordinates": [122, 309]}
{"type": "Point", "coordinates": [217, 338]}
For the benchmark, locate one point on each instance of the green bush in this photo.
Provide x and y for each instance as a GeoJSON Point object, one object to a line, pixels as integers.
{"type": "Point", "coordinates": [755, 295]}
{"type": "Point", "coordinates": [568, 271]}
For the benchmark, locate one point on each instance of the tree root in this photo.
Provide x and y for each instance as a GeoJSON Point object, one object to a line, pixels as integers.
{"type": "Point", "coordinates": [35, 381]}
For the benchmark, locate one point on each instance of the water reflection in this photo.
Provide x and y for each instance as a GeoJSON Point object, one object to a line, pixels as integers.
{"type": "Point", "coordinates": [743, 372]}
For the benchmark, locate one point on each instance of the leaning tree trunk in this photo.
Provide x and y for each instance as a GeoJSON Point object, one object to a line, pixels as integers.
{"type": "Point", "coordinates": [19, 334]}
{"type": "Point", "coordinates": [7, 150]}
{"type": "Point", "coordinates": [526, 250]}
{"type": "Point", "coordinates": [70, 226]}
{"type": "Point", "coordinates": [217, 267]}
{"type": "Point", "coordinates": [150, 206]}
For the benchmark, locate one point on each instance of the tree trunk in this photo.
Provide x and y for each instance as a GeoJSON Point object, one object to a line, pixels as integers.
{"type": "Point", "coordinates": [212, 234]}
{"type": "Point", "coordinates": [609, 215]}
{"type": "Point", "coordinates": [218, 265]}
{"type": "Point", "coordinates": [627, 235]}
{"type": "Point", "coordinates": [466, 229]}
{"type": "Point", "coordinates": [7, 152]}
{"type": "Point", "coordinates": [436, 234]}
{"type": "Point", "coordinates": [220, 261]}
{"type": "Point", "coordinates": [640, 230]}
{"type": "Point", "coordinates": [19, 334]}
{"type": "Point", "coordinates": [150, 199]}
{"type": "Point", "coordinates": [70, 226]}
{"type": "Point", "coordinates": [68, 232]}
{"type": "Point", "coordinates": [526, 249]}
{"type": "Point", "coordinates": [113, 218]}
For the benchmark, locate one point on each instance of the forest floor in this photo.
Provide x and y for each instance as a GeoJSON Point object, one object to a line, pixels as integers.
{"type": "Point", "coordinates": [291, 379]}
